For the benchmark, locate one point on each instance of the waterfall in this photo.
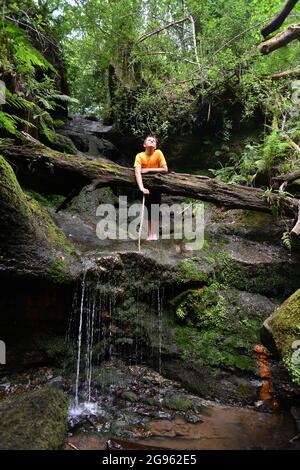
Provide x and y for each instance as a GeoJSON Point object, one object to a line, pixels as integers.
{"type": "Point", "coordinates": [101, 330]}
{"type": "Point", "coordinates": [160, 319]}
{"type": "Point", "coordinates": [79, 339]}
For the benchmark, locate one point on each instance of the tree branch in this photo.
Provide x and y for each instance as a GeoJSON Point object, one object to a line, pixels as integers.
{"type": "Point", "coordinates": [277, 20]}
{"type": "Point", "coordinates": [156, 31]}
{"type": "Point", "coordinates": [283, 74]}
{"type": "Point", "coordinates": [195, 43]}
{"type": "Point", "coordinates": [281, 39]}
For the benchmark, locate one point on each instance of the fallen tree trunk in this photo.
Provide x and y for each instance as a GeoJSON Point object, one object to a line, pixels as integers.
{"type": "Point", "coordinates": [288, 177]}
{"type": "Point", "coordinates": [291, 33]}
{"type": "Point", "coordinates": [50, 171]}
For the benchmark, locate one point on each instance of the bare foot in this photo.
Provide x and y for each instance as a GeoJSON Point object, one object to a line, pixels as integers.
{"type": "Point", "coordinates": [152, 237]}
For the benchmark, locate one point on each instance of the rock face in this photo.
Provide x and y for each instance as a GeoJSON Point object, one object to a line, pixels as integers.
{"type": "Point", "coordinates": [91, 137]}
{"type": "Point", "coordinates": [30, 242]}
{"type": "Point", "coordinates": [284, 325]}
{"type": "Point", "coordinates": [35, 420]}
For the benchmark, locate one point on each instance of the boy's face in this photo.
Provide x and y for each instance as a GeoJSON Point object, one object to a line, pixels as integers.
{"type": "Point", "coordinates": [150, 144]}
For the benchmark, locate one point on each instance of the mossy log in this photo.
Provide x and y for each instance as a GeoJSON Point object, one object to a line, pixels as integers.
{"type": "Point", "coordinates": [47, 170]}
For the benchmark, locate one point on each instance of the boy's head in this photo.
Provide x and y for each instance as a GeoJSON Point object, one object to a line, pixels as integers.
{"type": "Point", "coordinates": [150, 142]}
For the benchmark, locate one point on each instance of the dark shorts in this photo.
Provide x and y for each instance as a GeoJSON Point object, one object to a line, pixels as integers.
{"type": "Point", "coordinates": [153, 198]}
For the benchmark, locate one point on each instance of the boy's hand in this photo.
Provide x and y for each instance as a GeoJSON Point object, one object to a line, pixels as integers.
{"type": "Point", "coordinates": [145, 191]}
{"type": "Point", "coordinates": [144, 170]}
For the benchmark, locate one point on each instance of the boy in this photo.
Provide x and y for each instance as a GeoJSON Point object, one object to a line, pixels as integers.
{"type": "Point", "coordinates": [151, 160]}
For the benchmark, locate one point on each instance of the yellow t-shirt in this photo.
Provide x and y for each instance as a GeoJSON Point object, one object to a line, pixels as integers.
{"type": "Point", "coordinates": [156, 160]}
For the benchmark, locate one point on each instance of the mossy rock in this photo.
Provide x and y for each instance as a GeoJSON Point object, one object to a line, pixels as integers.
{"type": "Point", "coordinates": [61, 142]}
{"type": "Point", "coordinates": [36, 420]}
{"type": "Point", "coordinates": [47, 200]}
{"type": "Point", "coordinates": [218, 326]}
{"type": "Point", "coordinates": [87, 201]}
{"type": "Point", "coordinates": [285, 327]}
{"type": "Point", "coordinates": [129, 396]}
{"type": "Point", "coordinates": [178, 403]}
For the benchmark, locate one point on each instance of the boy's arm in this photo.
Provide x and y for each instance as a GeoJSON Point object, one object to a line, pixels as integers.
{"type": "Point", "coordinates": [139, 180]}
{"type": "Point", "coordinates": [163, 169]}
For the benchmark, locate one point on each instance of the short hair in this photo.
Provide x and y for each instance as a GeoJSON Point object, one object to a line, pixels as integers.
{"type": "Point", "coordinates": [151, 137]}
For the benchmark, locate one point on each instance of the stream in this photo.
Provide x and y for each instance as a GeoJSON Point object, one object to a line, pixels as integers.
{"type": "Point", "coordinates": [119, 401]}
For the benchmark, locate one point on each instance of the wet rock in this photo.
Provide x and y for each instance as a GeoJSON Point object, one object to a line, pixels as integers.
{"type": "Point", "coordinates": [295, 412]}
{"type": "Point", "coordinates": [91, 137]}
{"type": "Point", "coordinates": [284, 326]}
{"type": "Point", "coordinates": [104, 378]}
{"type": "Point", "coordinates": [252, 225]}
{"type": "Point", "coordinates": [56, 382]}
{"type": "Point", "coordinates": [193, 419]}
{"type": "Point", "coordinates": [35, 420]}
{"type": "Point", "coordinates": [152, 401]}
{"type": "Point", "coordinates": [129, 396]}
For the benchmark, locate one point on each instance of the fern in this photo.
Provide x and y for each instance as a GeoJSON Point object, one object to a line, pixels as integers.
{"type": "Point", "coordinates": [287, 239]}
{"type": "Point", "coordinates": [17, 101]}
{"type": "Point", "coordinates": [8, 123]}
{"type": "Point", "coordinates": [25, 56]}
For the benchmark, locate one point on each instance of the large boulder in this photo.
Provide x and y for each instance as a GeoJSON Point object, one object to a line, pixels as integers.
{"type": "Point", "coordinates": [285, 327]}
{"type": "Point", "coordinates": [35, 420]}
{"type": "Point", "coordinates": [30, 242]}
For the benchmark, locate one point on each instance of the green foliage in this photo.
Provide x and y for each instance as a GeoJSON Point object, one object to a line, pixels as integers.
{"type": "Point", "coordinates": [31, 92]}
{"type": "Point", "coordinates": [156, 82]}
{"type": "Point", "coordinates": [51, 200]}
{"type": "Point", "coordinates": [287, 239]}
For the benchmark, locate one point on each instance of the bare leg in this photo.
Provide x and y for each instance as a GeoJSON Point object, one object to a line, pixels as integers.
{"type": "Point", "coordinates": [153, 229]}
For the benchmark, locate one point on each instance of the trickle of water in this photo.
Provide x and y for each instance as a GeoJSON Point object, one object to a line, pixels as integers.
{"type": "Point", "coordinates": [79, 339]}
{"type": "Point", "coordinates": [90, 346]}
{"type": "Point", "coordinates": [160, 324]}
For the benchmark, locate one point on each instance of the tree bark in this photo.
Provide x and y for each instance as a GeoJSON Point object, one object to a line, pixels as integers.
{"type": "Point", "coordinates": [162, 28]}
{"type": "Point", "coordinates": [277, 21]}
{"type": "Point", "coordinates": [281, 39]}
{"type": "Point", "coordinates": [290, 73]}
{"type": "Point", "coordinates": [288, 177]}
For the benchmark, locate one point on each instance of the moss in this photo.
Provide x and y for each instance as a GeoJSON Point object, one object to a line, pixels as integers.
{"type": "Point", "coordinates": [49, 200]}
{"type": "Point", "coordinates": [35, 420]}
{"type": "Point", "coordinates": [61, 143]}
{"type": "Point", "coordinates": [101, 164]}
{"type": "Point", "coordinates": [214, 330]}
{"type": "Point", "coordinates": [177, 403]}
{"type": "Point", "coordinates": [58, 271]}
{"type": "Point", "coordinates": [255, 219]}
{"type": "Point", "coordinates": [285, 326]}
{"type": "Point", "coordinates": [11, 193]}
{"type": "Point", "coordinates": [244, 390]}
{"type": "Point", "coordinates": [261, 278]}
{"type": "Point", "coordinates": [55, 235]}
{"type": "Point", "coordinates": [188, 271]}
